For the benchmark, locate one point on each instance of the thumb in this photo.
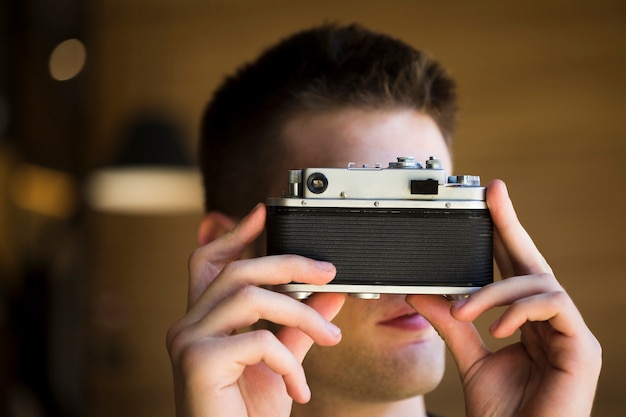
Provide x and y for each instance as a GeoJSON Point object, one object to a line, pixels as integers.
{"type": "Point", "coordinates": [462, 338]}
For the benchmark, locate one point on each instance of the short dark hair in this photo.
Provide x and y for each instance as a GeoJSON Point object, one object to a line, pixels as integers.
{"type": "Point", "coordinates": [319, 69]}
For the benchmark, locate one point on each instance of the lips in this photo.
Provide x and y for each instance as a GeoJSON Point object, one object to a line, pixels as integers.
{"type": "Point", "coordinates": [406, 320]}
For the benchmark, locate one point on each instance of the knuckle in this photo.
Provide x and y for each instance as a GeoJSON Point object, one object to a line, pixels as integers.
{"type": "Point", "coordinates": [200, 261]}
{"type": "Point", "coordinates": [560, 297]}
{"type": "Point", "coordinates": [546, 276]}
{"type": "Point", "coordinates": [183, 342]}
{"type": "Point", "coordinates": [175, 339]}
{"type": "Point", "coordinates": [293, 262]}
{"type": "Point", "coordinates": [291, 258]}
{"type": "Point", "coordinates": [247, 294]}
{"type": "Point", "coordinates": [262, 337]}
{"type": "Point", "coordinates": [187, 353]}
{"type": "Point", "coordinates": [194, 258]}
{"type": "Point", "coordinates": [235, 267]}
{"type": "Point", "coordinates": [191, 355]}
{"type": "Point", "coordinates": [549, 279]}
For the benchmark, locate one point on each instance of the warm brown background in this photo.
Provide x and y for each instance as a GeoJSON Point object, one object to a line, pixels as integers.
{"type": "Point", "coordinates": [543, 95]}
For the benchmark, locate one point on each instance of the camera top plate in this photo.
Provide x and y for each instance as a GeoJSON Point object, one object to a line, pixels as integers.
{"type": "Point", "coordinates": [401, 180]}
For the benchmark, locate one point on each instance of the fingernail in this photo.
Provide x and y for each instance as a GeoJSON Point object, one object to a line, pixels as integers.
{"type": "Point", "coordinates": [457, 304]}
{"type": "Point", "coordinates": [307, 393]}
{"type": "Point", "coordinates": [494, 325]}
{"type": "Point", "coordinates": [334, 330]}
{"type": "Point", "coordinates": [251, 212]}
{"type": "Point", "coordinates": [325, 266]}
{"type": "Point", "coordinates": [255, 208]}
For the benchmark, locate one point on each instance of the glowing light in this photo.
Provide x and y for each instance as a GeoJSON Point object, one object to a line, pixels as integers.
{"type": "Point", "coordinates": [44, 191]}
{"type": "Point", "coordinates": [67, 60]}
{"type": "Point", "coordinates": [145, 190]}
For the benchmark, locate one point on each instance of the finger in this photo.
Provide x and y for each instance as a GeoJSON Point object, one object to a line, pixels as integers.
{"type": "Point", "coordinates": [252, 304]}
{"type": "Point", "coordinates": [501, 255]}
{"type": "Point", "coordinates": [252, 348]}
{"type": "Point", "coordinates": [268, 270]}
{"type": "Point", "coordinates": [298, 341]}
{"type": "Point", "coordinates": [462, 338]}
{"type": "Point", "coordinates": [232, 244]}
{"type": "Point", "coordinates": [554, 307]}
{"type": "Point", "coordinates": [521, 251]}
{"type": "Point", "coordinates": [503, 293]}
{"type": "Point", "coordinates": [206, 261]}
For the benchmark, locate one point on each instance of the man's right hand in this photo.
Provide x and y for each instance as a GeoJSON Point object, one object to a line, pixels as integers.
{"type": "Point", "coordinates": [220, 370]}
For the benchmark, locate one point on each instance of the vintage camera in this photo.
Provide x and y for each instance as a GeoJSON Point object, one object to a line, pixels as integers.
{"type": "Point", "coordinates": [404, 229]}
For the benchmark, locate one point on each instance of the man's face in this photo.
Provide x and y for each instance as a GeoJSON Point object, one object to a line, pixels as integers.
{"type": "Point", "coordinates": [388, 352]}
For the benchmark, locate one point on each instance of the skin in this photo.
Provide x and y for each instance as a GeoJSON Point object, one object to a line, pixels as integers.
{"type": "Point", "coordinates": [389, 356]}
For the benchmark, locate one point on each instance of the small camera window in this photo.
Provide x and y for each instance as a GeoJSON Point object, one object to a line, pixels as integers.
{"type": "Point", "coordinates": [317, 183]}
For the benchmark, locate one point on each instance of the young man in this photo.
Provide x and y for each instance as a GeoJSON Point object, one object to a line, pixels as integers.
{"type": "Point", "coordinates": [325, 97]}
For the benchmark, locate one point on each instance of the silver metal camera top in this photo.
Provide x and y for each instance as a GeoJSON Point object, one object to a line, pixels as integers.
{"type": "Point", "coordinates": [405, 162]}
{"type": "Point", "coordinates": [464, 180]}
{"type": "Point", "coordinates": [433, 163]}
{"type": "Point", "coordinates": [404, 179]}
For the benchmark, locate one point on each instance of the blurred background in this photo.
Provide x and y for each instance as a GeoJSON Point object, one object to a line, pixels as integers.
{"type": "Point", "coordinates": [99, 196]}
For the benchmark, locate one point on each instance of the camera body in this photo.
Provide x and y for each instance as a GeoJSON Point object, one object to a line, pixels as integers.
{"type": "Point", "coordinates": [403, 229]}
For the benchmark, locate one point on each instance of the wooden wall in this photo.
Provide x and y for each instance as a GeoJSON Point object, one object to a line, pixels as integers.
{"type": "Point", "coordinates": [543, 90]}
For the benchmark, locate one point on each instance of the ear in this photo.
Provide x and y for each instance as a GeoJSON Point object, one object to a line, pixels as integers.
{"type": "Point", "coordinates": [213, 225]}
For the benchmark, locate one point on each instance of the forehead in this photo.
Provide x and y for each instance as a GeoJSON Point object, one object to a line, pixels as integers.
{"type": "Point", "coordinates": [336, 138]}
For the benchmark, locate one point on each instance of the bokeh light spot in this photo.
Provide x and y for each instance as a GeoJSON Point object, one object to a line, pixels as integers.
{"type": "Point", "coordinates": [67, 59]}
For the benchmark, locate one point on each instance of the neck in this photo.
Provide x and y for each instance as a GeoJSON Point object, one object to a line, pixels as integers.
{"type": "Point", "coordinates": [339, 407]}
